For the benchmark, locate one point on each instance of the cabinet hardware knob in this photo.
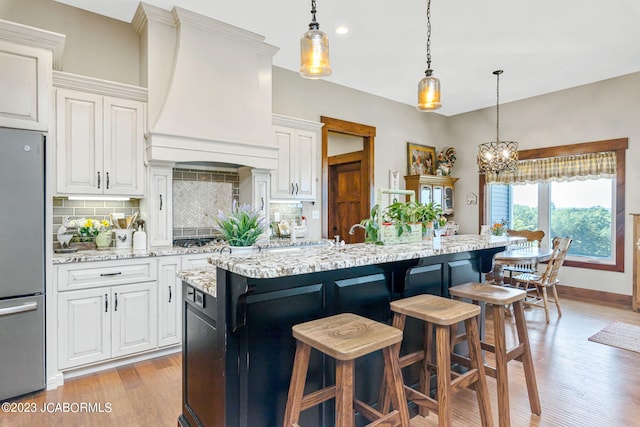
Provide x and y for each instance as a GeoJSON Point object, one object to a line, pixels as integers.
{"type": "Point", "coordinates": [261, 203]}
{"type": "Point", "coordinates": [160, 201]}
{"type": "Point", "coordinates": [292, 189]}
{"type": "Point", "coordinates": [296, 188]}
{"type": "Point", "coordinates": [98, 179]}
{"type": "Point", "coordinates": [106, 303]}
{"type": "Point", "coordinates": [107, 180]}
{"type": "Point", "coordinates": [115, 308]}
{"type": "Point", "coordinates": [169, 293]}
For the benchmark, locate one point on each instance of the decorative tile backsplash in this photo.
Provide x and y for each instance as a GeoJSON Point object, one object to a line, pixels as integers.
{"type": "Point", "coordinates": [94, 209]}
{"type": "Point", "coordinates": [197, 196]}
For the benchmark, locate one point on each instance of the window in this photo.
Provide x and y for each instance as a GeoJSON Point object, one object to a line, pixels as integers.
{"type": "Point", "coordinates": [590, 210]}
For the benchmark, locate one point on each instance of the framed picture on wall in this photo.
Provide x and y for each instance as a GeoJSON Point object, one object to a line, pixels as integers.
{"type": "Point", "coordinates": [421, 159]}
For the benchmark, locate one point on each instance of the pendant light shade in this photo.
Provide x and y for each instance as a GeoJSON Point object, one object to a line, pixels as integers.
{"type": "Point", "coordinates": [429, 93]}
{"type": "Point", "coordinates": [314, 50]}
{"type": "Point", "coordinates": [498, 156]}
{"type": "Point", "coordinates": [429, 86]}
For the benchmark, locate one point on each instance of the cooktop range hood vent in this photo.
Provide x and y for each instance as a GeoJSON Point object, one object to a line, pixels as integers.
{"type": "Point", "coordinates": [209, 86]}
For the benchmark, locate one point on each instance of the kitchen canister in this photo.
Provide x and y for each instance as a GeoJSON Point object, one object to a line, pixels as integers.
{"type": "Point", "coordinates": [124, 237]}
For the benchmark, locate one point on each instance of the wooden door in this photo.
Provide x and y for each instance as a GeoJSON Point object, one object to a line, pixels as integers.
{"type": "Point", "coordinates": [346, 204]}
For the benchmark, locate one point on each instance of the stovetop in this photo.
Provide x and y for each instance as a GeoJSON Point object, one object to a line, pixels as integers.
{"type": "Point", "coordinates": [197, 242]}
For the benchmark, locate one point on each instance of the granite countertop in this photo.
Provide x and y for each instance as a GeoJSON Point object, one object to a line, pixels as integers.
{"type": "Point", "coordinates": [271, 264]}
{"type": "Point", "coordinates": [277, 264]}
{"type": "Point", "coordinates": [115, 254]}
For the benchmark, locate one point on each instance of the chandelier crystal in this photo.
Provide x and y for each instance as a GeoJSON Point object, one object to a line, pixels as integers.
{"type": "Point", "coordinates": [497, 156]}
{"type": "Point", "coordinates": [429, 86]}
{"type": "Point", "coordinates": [314, 50]}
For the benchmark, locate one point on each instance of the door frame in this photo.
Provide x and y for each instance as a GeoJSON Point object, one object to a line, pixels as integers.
{"type": "Point", "coordinates": [367, 133]}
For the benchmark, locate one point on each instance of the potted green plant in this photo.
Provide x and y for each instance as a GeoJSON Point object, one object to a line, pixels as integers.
{"type": "Point", "coordinates": [243, 226]}
{"type": "Point", "coordinates": [371, 227]}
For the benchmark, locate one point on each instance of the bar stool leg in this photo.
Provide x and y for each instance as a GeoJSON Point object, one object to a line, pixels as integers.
{"type": "Point", "coordinates": [502, 378]}
{"type": "Point", "coordinates": [475, 355]}
{"type": "Point", "coordinates": [443, 350]}
{"type": "Point", "coordinates": [344, 393]}
{"type": "Point", "coordinates": [527, 359]}
{"type": "Point", "coordinates": [425, 370]}
{"type": "Point", "coordinates": [393, 375]}
{"type": "Point", "coordinates": [296, 389]}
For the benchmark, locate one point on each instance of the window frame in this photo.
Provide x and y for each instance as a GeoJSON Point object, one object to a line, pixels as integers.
{"type": "Point", "coordinates": [618, 146]}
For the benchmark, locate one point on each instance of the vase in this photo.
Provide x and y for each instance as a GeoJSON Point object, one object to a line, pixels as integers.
{"type": "Point", "coordinates": [103, 240]}
{"type": "Point", "coordinates": [242, 249]}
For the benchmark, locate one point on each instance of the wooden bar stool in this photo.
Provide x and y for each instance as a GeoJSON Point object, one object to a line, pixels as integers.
{"type": "Point", "coordinates": [345, 337]}
{"type": "Point", "coordinates": [500, 297]}
{"type": "Point", "coordinates": [443, 314]}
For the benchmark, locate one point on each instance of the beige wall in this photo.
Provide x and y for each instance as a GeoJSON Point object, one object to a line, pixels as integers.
{"type": "Point", "coordinates": [95, 46]}
{"type": "Point", "coordinates": [605, 110]}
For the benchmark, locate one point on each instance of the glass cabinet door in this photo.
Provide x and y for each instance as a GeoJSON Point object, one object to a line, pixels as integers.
{"type": "Point", "coordinates": [438, 193]}
{"type": "Point", "coordinates": [425, 194]}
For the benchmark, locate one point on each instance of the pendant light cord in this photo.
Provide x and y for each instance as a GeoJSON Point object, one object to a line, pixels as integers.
{"type": "Point", "coordinates": [497, 73]}
{"type": "Point", "coordinates": [428, 71]}
{"type": "Point", "coordinates": [313, 25]}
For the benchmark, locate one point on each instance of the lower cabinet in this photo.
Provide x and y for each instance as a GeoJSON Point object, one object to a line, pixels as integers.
{"type": "Point", "coordinates": [106, 322]}
{"type": "Point", "coordinates": [169, 303]}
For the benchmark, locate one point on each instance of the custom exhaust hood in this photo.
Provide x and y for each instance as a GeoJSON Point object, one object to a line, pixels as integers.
{"type": "Point", "coordinates": [209, 89]}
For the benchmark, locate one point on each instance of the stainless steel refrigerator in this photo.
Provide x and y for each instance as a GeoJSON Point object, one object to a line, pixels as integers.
{"type": "Point", "coordinates": [22, 263]}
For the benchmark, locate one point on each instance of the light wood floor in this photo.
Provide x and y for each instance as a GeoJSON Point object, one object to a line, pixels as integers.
{"type": "Point", "coordinates": [581, 383]}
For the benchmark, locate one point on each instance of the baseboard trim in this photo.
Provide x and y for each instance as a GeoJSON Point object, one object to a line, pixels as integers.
{"type": "Point", "coordinates": [120, 362]}
{"type": "Point", "coordinates": [591, 295]}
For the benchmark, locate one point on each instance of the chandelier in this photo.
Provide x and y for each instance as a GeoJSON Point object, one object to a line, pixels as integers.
{"type": "Point", "coordinates": [498, 156]}
{"type": "Point", "coordinates": [314, 50]}
{"type": "Point", "coordinates": [429, 86]}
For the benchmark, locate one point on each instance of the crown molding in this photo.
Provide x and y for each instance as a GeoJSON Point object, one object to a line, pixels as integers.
{"type": "Point", "coordinates": [34, 37]}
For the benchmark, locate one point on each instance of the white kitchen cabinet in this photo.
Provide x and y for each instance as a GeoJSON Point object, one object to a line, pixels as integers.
{"type": "Point", "coordinates": [84, 327]}
{"type": "Point", "coordinates": [254, 189]}
{"type": "Point", "coordinates": [28, 56]}
{"type": "Point", "coordinates": [99, 144]}
{"type": "Point", "coordinates": [157, 206]}
{"type": "Point", "coordinates": [169, 301]}
{"type": "Point", "coordinates": [296, 140]}
{"type": "Point", "coordinates": [104, 310]}
{"type": "Point", "coordinates": [102, 323]}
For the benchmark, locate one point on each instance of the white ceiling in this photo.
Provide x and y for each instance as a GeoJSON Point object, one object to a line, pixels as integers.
{"type": "Point", "coordinates": [542, 45]}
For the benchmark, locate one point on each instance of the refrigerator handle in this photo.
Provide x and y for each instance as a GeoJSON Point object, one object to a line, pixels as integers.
{"type": "Point", "coordinates": [18, 309]}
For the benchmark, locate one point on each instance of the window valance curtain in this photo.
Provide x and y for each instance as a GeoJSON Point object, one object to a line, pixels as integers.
{"type": "Point", "coordinates": [577, 167]}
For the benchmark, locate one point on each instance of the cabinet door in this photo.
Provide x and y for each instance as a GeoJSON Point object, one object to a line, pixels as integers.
{"type": "Point", "coordinates": [282, 186]}
{"type": "Point", "coordinates": [79, 143]}
{"type": "Point", "coordinates": [447, 202]}
{"type": "Point", "coordinates": [84, 331]}
{"type": "Point", "coordinates": [124, 147]}
{"type": "Point", "coordinates": [304, 165]}
{"type": "Point", "coordinates": [438, 195]}
{"type": "Point", "coordinates": [25, 86]}
{"type": "Point", "coordinates": [159, 229]}
{"type": "Point", "coordinates": [426, 194]}
{"type": "Point", "coordinates": [134, 322]}
{"type": "Point", "coordinates": [261, 193]}
{"type": "Point", "coordinates": [169, 298]}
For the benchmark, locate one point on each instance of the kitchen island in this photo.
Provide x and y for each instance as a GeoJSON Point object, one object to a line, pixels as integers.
{"type": "Point", "coordinates": [238, 349]}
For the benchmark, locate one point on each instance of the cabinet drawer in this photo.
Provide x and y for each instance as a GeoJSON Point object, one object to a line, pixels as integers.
{"type": "Point", "coordinates": [191, 262]}
{"type": "Point", "coordinates": [105, 273]}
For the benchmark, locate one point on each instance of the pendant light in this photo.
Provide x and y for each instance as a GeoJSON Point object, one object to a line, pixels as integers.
{"type": "Point", "coordinates": [429, 87]}
{"type": "Point", "coordinates": [314, 50]}
{"type": "Point", "coordinates": [498, 156]}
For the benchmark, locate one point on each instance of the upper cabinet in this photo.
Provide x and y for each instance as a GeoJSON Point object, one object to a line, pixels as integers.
{"type": "Point", "coordinates": [431, 188]}
{"type": "Point", "coordinates": [99, 142]}
{"type": "Point", "coordinates": [27, 58]}
{"type": "Point", "coordinates": [296, 176]}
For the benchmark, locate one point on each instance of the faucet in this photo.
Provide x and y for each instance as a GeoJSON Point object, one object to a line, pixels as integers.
{"type": "Point", "coordinates": [354, 226]}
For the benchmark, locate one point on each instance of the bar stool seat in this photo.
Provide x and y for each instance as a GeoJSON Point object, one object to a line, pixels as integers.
{"type": "Point", "coordinates": [443, 314]}
{"type": "Point", "coordinates": [500, 297]}
{"type": "Point", "coordinates": [345, 337]}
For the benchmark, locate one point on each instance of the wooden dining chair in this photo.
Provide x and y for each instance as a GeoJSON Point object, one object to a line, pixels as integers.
{"type": "Point", "coordinates": [548, 279]}
{"type": "Point", "coordinates": [534, 239]}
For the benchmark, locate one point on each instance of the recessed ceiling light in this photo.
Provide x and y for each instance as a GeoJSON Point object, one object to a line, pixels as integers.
{"type": "Point", "coordinates": [342, 30]}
